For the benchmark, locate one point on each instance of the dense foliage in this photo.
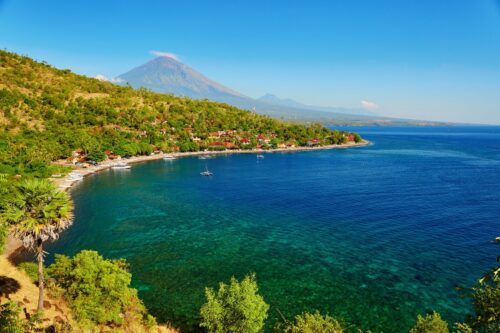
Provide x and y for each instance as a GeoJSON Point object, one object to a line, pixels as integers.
{"type": "Point", "coordinates": [97, 290]}
{"type": "Point", "coordinates": [431, 323]}
{"type": "Point", "coordinates": [5, 189]}
{"type": "Point", "coordinates": [234, 308]}
{"type": "Point", "coordinates": [486, 301]}
{"type": "Point", "coordinates": [12, 322]}
{"type": "Point", "coordinates": [47, 113]}
{"type": "Point", "coordinates": [312, 323]}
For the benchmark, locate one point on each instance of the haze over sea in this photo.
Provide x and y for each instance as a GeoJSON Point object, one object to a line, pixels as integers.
{"type": "Point", "coordinates": [375, 235]}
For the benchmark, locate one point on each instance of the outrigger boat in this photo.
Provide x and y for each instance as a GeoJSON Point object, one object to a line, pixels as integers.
{"type": "Point", "coordinates": [120, 166]}
{"type": "Point", "coordinates": [206, 173]}
{"type": "Point", "coordinates": [169, 158]}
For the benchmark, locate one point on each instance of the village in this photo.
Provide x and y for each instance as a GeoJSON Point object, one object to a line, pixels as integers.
{"type": "Point", "coordinates": [222, 140]}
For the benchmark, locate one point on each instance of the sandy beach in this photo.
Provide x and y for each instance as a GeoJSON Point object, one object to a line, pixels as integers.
{"type": "Point", "coordinates": [64, 183]}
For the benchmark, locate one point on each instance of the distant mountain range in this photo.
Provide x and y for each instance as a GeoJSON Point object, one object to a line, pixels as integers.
{"type": "Point", "coordinates": [167, 75]}
{"type": "Point", "coordinates": [274, 100]}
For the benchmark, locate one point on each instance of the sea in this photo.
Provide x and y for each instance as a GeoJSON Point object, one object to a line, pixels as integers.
{"type": "Point", "coordinates": [372, 235]}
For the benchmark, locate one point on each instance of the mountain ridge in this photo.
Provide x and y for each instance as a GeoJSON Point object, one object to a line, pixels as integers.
{"type": "Point", "coordinates": [168, 75]}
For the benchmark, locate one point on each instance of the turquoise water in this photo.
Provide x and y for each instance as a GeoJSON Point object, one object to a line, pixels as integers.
{"type": "Point", "coordinates": [373, 235]}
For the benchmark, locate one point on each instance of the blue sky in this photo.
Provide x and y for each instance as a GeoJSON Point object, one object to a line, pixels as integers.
{"type": "Point", "coordinates": [436, 60]}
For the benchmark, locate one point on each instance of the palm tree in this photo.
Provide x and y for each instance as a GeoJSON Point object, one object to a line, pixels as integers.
{"type": "Point", "coordinates": [37, 212]}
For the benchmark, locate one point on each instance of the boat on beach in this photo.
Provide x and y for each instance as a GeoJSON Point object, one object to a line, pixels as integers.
{"type": "Point", "coordinates": [169, 157]}
{"type": "Point", "coordinates": [120, 166]}
{"type": "Point", "coordinates": [74, 176]}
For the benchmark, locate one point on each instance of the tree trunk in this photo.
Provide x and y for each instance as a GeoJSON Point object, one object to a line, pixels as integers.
{"type": "Point", "coordinates": [39, 250]}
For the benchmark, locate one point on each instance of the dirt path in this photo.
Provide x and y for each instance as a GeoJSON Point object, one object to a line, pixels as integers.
{"type": "Point", "coordinates": [17, 286]}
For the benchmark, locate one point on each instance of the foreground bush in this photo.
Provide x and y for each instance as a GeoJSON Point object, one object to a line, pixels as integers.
{"type": "Point", "coordinates": [486, 301]}
{"type": "Point", "coordinates": [11, 321]}
{"type": "Point", "coordinates": [98, 290]}
{"type": "Point", "coordinates": [313, 323]}
{"type": "Point", "coordinates": [234, 308]}
{"type": "Point", "coordinates": [431, 323]}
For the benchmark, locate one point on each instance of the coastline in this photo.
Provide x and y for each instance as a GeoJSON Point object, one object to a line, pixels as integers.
{"type": "Point", "coordinates": [14, 246]}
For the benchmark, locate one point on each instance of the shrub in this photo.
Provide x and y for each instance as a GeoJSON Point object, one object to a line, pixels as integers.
{"type": "Point", "coordinates": [236, 307]}
{"type": "Point", "coordinates": [11, 321]}
{"type": "Point", "coordinates": [3, 236]}
{"type": "Point", "coordinates": [431, 323]}
{"type": "Point", "coordinates": [96, 155]}
{"type": "Point", "coordinates": [97, 289]}
{"type": "Point", "coordinates": [313, 323]}
{"type": "Point", "coordinates": [486, 301]}
{"type": "Point", "coordinates": [31, 269]}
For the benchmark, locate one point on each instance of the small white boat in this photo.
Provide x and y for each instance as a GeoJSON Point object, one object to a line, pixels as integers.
{"type": "Point", "coordinates": [205, 157]}
{"type": "Point", "coordinates": [120, 166]}
{"type": "Point", "coordinates": [169, 157]}
{"type": "Point", "coordinates": [73, 176]}
{"type": "Point", "coordinates": [260, 156]}
{"type": "Point", "coordinates": [206, 173]}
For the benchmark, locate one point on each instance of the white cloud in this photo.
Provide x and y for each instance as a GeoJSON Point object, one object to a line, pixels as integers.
{"type": "Point", "coordinates": [116, 80]}
{"type": "Point", "coordinates": [165, 54]}
{"type": "Point", "coordinates": [101, 77]}
{"type": "Point", "coordinates": [369, 105]}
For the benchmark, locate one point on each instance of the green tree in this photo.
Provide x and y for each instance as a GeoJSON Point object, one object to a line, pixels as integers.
{"type": "Point", "coordinates": [5, 190]}
{"type": "Point", "coordinates": [313, 323]}
{"type": "Point", "coordinates": [11, 321]}
{"type": "Point", "coordinates": [97, 289]}
{"type": "Point", "coordinates": [37, 212]}
{"type": "Point", "coordinates": [486, 301]}
{"type": "Point", "coordinates": [431, 323]}
{"type": "Point", "coordinates": [234, 308]}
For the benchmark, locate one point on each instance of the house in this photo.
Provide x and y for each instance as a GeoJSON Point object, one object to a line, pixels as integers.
{"type": "Point", "coordinates": [163, 131]}
{"type": "Point", "coordinates": [110, 155]}
{"type": "Point", "coordinates": [188, 129]}
{"type": "Point", "coordinates": [230, 145]}
{"type": "Point", "coordinates": [245, 141]}
{"type": "Point", "coordinates": [217, 144]}
{"type": "Point", "coordinates": [281, 145]}
{"type": "Point", "coordinates": [214, 135]}
{"type": "Point", "coordinates": [263, 139]}
{"type": "Point", "coordinates": [313, 142]}
{"type": "Point", "coordinates": [78, 155]}
{"type": "Point", "coordinates": [195, 139]}
{"type": "Point", "coordinates": [350, 137]}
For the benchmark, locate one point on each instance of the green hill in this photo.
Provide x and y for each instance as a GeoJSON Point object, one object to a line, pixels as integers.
{"type": "Point", "coordinates": [46, 113]}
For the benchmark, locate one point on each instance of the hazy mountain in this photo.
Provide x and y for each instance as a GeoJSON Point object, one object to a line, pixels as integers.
{"type": "Point", "coordinates": [272, 99]}
{"type": "Point", "coordinates": [168, 75]}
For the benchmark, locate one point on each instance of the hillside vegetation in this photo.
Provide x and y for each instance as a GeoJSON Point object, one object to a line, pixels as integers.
{"type": "Point", "coordinates": [47, 113]}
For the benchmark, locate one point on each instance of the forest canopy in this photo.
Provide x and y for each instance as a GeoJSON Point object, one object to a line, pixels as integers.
{"type": "Point", "coordinates": [47, 113]}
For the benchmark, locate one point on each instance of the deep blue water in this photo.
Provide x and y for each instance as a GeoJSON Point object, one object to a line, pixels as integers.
{"type": "Point", "coordinates": [374, 235]}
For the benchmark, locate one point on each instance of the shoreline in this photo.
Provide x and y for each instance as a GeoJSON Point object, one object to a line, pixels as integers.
{"type": "Point", "coordinates": [13, 246]}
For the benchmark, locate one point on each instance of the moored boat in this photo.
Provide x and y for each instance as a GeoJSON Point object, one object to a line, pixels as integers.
{"type": "Point", "coordinates": [120, 166]}
{"type": "Point", "coordinates": [206, 173]}
{"type": "Point", "coordinates": [169, 157]}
